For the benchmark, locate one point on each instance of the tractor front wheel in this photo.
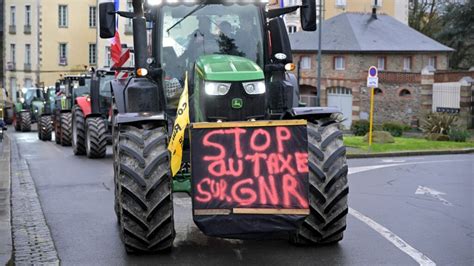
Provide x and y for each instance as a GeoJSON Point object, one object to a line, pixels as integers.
{"type": "Point", "coordinates": [66, 126]}
{"type": "Point", "coordinates": [328, 188]}
{"type": "Point", "coordinates": [78, 131]}
{"type": "Point", "coordinates": [145, 196]}
{"type": "Point", "coordinates": [96, 137]}
{"type": "Point", "coordinates": [25, 121]}
{"type": "Point", "coordinates": [45, 128]}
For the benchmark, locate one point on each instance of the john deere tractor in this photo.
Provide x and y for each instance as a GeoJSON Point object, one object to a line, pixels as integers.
{"type": "Point", "coordinates": [91, 111]}
{"type": "Point", "coordinates": [45, 122]}
{"type": "Point", "coordinates": [212, 110]}
{"type": "Point", "coordinates": [28, 108]}
{"type": "Point", "coordinates": [68, 89]}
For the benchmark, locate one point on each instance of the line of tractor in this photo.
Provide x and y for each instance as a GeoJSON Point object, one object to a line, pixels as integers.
{"type": "Point", "coordinates": [77, 109]}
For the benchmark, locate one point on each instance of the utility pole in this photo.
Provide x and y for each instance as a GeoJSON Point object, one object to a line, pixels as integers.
{"type": "Point", "coordinates": [320, 28]}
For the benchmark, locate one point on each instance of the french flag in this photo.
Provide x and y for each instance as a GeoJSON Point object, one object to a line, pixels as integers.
{"type": "Point", "coordinates": [118, 55]}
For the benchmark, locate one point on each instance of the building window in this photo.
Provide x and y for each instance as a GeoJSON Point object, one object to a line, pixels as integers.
{"type": "Point", "coordinates": [432, 61]}
{"type": "Point", "coordinates": [309, 100]}
{"type": "Point", "coordinates": [12, 16]}
{"type": "Point", "coordinates": [13, 53]}
{"type": "Point", "coordinates": [377, 3]}
{"type": "Point", "coordinates": [305, 62]}
{"type": "Point", "coordinates": [63, 54]}
{"type": "Point", "coordinates": [341, 3]}
{"type": "Point", "coordinates": [378, 91]}
{"type": "Point", "coordinates": [381, 63]}
{"type": "Point", "coordinates": [339, 63]}
{"type": "Point", "coordinates": [129, 9]}
{"type": "Point", "coordinates": [27, 15]}
{"type": "Point", "coordinates": [27, 54]}
{"type": "Point", "coordinates": [13, 87]}
{"type": "Point", "coordinates": [28, 83]}
{"type": "Point", "coordinates": [92, 53]}
{"type": "Point", "coordinates": [404, 93]}
{"type": "Point", "coordinates": [62, 15]}
{"type": "Point", "coordinates": [407, 63]}
{"type": "Point", "coordinates": [291, 29]}
{"type": "Point", "coordinates": [92, 16]}
{"type": "Point", "coordinates": [107, 56]}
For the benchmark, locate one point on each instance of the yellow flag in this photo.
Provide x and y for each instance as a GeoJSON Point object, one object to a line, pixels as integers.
{"type": "Point", "coordinates": [177, 137]}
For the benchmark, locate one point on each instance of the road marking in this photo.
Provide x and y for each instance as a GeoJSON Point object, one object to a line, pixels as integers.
{"type": "Point", "coordinates": [421, 190]}
{"type": "Point", "coordinates": [419, 257]}
{"type": "Point", "coordinates": [393, 161]}
{"type": "Point", "coordinates": [358, 169]}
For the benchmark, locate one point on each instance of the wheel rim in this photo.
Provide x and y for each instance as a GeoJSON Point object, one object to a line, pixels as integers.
{"type": "Point", "coordinates": [74, 133]}
{"type": "Point", "coordinates": [88, 142]}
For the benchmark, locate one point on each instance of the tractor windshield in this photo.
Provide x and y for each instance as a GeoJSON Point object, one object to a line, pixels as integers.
{"type": "Point", "coordinates": [230, 29]}
{"type": "Point", "coordinates": [32, 95]}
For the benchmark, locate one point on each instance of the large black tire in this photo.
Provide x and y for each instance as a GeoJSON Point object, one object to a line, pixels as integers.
{"type": "Point", "coordinates": [40, 137]}
{"type": "Point", "coordinates": [78, 131]}
{"type": "Point", "coordinates": [328, 189]}
{"type": "Point", "coordinates": [96, 137]}
{"type": "Point", "coordinates": [145, 196]}
{"type": "Point", "coordinates": [25, 121]}
{"type": "Point", "coordinates": [66, 129]}
{"type": "Point", "coordinates": [45, 128]}
{"type": "Point", "coordinates": [115, 141]}
{"type": "Point", "coordinates": [57, 129]}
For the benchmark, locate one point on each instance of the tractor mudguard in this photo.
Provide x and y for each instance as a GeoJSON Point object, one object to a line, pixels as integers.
{"type": "Point", "coordinates": [84, 104]}
{"type": "Point", "coordinates": [310, 113]}
{"type": "Point", "coordinates": [125, 118]}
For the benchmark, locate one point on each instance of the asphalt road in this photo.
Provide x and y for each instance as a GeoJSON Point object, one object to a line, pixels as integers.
{"type": "Point", "coordinates": [389, 223]}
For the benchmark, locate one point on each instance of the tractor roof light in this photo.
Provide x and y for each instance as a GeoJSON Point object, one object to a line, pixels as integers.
{"type": "Point", "coordinates": [141, 72]}
{"type": "Point", "coordinates": [154, 2]}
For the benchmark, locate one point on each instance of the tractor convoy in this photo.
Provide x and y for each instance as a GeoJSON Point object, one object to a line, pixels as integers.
{"type": "Point", "coordinates": [211, 109]}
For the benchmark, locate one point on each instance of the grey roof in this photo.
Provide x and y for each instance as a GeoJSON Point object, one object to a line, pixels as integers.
{"type": "Point", "coordinates": [357, 32]}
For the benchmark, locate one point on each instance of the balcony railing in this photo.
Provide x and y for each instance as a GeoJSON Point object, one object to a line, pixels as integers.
{"type": "Point", "coordinates": [12, 29]}
{"type": "Point", "coordinates": [11, 66]}
{"type": "Point", "coordinates": [63, 61]}
{"type": "Point", "coordinates": [27, 29]}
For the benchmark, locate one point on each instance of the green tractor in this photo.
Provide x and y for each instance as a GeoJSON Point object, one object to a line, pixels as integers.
{"type": "Point", "coordinates": [28, 108]}
{"type": "Point", "coordinates": [255, 163]}
{"type": "Point", "coordinates": [68, 89]}
{"type": "Point", "coordinates": [45, 122]}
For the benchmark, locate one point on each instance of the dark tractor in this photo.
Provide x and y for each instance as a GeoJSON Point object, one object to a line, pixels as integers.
{"type": "Point", "coordinates": [45, 122]}
{"type": "Point", "coordinates": [68, 89]}
{"type": "Point", "coordinates": [91, 113]}
{"type": "Point", "coordinates": [232, 58]}
{"type": "Point", "coordinates": [28, 108]}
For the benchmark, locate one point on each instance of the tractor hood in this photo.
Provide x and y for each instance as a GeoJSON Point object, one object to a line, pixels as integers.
{"type": "Point", "coordinates": [227, 68]}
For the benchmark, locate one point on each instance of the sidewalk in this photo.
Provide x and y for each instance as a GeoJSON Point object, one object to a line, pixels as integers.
{"type": "Point", "coordinates": [358, 154]}
{"type": "Point", "coordinates": [5, 213]}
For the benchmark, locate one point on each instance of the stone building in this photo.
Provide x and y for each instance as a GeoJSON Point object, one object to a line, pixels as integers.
{"type": "Point", "coordinates": [395, 8]}
{"type": "Point", "coordinates": [351, 43]}
{"type": "Point", "coordinates": [44, 39]}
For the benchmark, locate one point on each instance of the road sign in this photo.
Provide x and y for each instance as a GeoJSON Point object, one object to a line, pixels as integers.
{"type": "Point", "coordinates": [372, 77]}
{"type": "Point", "coordinates": [372, 82]}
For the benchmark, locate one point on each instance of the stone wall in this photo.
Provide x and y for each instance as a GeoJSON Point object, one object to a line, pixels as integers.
{"type": "Point", "coordinates": [391, 105]}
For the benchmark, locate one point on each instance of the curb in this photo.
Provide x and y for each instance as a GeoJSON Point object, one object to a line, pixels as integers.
{"type": "Point", "coordinates": [408, 153]}
{"type": "Point", "coordinates": [6, 244]}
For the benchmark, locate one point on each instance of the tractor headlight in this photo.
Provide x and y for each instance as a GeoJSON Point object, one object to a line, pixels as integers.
{"type": "Point", "coordinates": [255, 87]}
{"type": "Point", "coordinates": [216, 88]}
{"type": "Point", "coordinates": [22, 100]}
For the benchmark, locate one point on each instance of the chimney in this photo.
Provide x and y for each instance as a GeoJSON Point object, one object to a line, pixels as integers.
{"type": "Point", "coordinates": [374, 10]}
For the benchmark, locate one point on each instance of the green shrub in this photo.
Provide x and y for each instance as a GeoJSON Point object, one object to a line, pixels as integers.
{"type": "Point", "coordinates": [437, 123]}
{"type": "Point", "coordinates": [437, 137]}
{"type": "Point", "coordinates": [458, 134]}
{"type": "Point", "coordinates": [395, 128]}
{"type": "Point", "coordinates": [380, 137]}
{"type": "Point", "coordinates": [360, 127]}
